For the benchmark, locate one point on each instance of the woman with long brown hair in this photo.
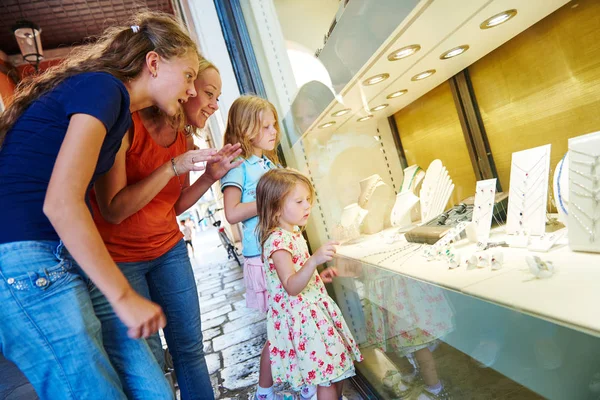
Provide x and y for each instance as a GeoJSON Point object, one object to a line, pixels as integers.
{"type": "Point", "coordinates": [61, 132]}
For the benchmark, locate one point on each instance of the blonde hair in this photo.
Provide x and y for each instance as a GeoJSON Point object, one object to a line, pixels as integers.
{"type": "Point", "coordinates": [273, 187]}
{"type": "Point", "coordinates": [120, 52]}
{"type": "Point", "coordinates": [178, 121]}
{"type": "Point", "coordinates": [244, 124]}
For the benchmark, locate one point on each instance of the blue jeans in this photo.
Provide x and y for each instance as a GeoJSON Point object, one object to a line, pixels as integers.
{"type": "Point", "coordinates": [169, 281]}
{"type": "Point", "coordinates": [49, 329]}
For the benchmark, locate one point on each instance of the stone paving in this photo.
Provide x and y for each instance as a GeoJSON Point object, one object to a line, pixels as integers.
{"type": "Point", "coordinates": [233, 334]}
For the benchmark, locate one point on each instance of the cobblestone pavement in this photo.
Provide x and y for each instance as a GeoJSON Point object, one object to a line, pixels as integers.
{"type": "Point", "coordinates": [233, 334]}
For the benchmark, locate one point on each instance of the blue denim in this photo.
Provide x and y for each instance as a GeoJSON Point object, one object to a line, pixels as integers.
{"type": "Point", "coordinates": [54, 336]}
{"type": "Point", "coordinates": [48, 327]}
{"type": "Point", "coordinates": [169, 281]}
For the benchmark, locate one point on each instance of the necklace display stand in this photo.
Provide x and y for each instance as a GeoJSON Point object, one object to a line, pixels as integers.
{"type": "Point", "coordinates": [402, 211]}
{"type": "Point", "coordinates": [483, 208]}
{"type": "Point", "coordinates": [378, 199]}
{"type": "Point", "coordinates": [584, 193]}
{"type": "Point", "coordinates": [436, 191]}
{"type": "Point", "coordinates": [350, 222]}
{"type": "Point", "coordinates": [413, 176]}
{"type": "Point", "coordinates": [561, 189]}
{"type": "Point", "coordinates": [528, 191]}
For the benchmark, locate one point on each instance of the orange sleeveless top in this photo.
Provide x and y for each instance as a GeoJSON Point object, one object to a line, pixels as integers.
{"type": "Point", "coordinates": [153, 230]}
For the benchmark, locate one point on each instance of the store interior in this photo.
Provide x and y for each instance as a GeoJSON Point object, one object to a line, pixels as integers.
{"type": "Point", "coordinates": [455, 151]}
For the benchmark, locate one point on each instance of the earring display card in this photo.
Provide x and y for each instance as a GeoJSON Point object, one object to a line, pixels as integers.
{"type": "Point", "coordinates": [528, 196]}
{"type": "Point", "coordinates": [483, 208]}
{"type": "Point", "coordinates": [584, 192]}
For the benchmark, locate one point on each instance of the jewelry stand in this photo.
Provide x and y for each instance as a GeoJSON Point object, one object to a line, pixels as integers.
{"type": "Point", "coordinates": [378, 199]}
{"type": "Point", "coordinates": [483, 208]}
{"type": "Point", "coordinates": [401, 213]}
{"type": "Point", "coordinates": [436, 191]}
{"type": "Point", "coordinates": [561, 188]}
{"type": "Point", "coordinates": [584, 193]}
{"type": "Point", "coordinates": [413, 176]}
{"type": "Point", "coordinates": [350, 222]}
{"type": "Point", "coordinates": [528, 195]}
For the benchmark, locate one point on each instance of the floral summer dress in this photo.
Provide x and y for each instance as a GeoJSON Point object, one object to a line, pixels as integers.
{"type": "Point", "coordinates": [309, 340]}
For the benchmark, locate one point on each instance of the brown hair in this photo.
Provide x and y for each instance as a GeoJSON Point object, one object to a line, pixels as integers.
{"type": "Point", "coordinates": [177, 121]}
{"type": "Point", "coordinates": [273, 187]}
{"type": "Point", "coordinates": [120, 51]}
{"type": "Point", "coordinates": [244, 124]}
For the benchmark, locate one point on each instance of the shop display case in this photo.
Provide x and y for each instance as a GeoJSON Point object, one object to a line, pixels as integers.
{"type": "Point", "coordinates": [461, 103]}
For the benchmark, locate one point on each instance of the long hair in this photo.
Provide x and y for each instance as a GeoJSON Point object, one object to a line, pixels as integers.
{"type": "Point", "coordinates": [120, 51]}
{"type": "Point", "coordinates": [177, 121]}
{"type": "Point", "coordinates": [273, 187]}
{"type": "Point", "coordinates": [244, 124]}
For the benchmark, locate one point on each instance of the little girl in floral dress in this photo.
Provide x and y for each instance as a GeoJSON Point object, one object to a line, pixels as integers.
{"type": "Point", "coordinates": [309, 341]}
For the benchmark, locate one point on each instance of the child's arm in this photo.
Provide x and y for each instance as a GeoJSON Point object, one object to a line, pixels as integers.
{"type": "Point", "coordinates": [235, 210]}
{"type": "Point", "coordinates": [294, 281]}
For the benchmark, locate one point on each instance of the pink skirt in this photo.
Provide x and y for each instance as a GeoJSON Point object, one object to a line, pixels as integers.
{"type": "Point", "coordinates": [256, 287]}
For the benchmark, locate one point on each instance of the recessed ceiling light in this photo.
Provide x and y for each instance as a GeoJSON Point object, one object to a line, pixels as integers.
{"type": "Point", "coordinates": [375, 79]}
{"type": "Point", "coordinates": [364, 118]}
{"type": "Point", "coordinates": [423, 75]}
{"type": "Point", "coordinates": [396, 94]}
{"type": "Point", "coordinates": [341, 112]}
{"type": "Point", "coordinates": [457, 51]}
{"type": "Point", "coordinates": [379, 107]}
{"type": "Point", "coordinates": [326, 124]}
{"type": "Point", "coordinates": [404, 52]}
{"type": "Point", "coordinates": [498, 19]}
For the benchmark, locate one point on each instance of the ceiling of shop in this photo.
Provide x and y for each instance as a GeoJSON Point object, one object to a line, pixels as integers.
{"type": "Point", "coordinates": [68, 22]}
{"type": "Point", "coordinates": [437, 26]}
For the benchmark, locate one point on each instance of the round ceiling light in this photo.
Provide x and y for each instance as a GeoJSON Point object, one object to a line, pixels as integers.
{"type": "Point", "coordinates": [341, 112]}
{"type": "Point", "coordinates": [423, 75]}
{"type": "Point", "coordinates": [327, 125]}
{"type": "Point", "coordinates": [396, 94]}
{"type": "Point", "coordinates": [365, 118]}
{"type": "Point", "coordinates": [379, 107]}
{"type": "Point", "coordinates": [375, 79]}
{"type": "Point", "coordinates": [498, 19]}
{"type": "Point", "coordinates": [457, 51]}
{"type": "Point", "coordinates": [403, 52]}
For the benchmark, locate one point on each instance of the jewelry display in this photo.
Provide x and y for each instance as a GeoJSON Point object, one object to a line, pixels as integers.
{"type": "Point", "coordinates": [546, 241]}
{"type": "Point", "coordinates": [528, 191]}
{"type": "Point", "coordinates": [401, 213]}
{"type": "Point", "coordinates": [438, 249]}
{"type": "Point", "coordinates": [483, 208]}
{"type": "Point", "coordinates": [539, 268]}
{"type": "Point", "coordinates": [378, 199]}
{"type": "Point", "coordinates": [561, 188]}
{"type": "Point", "coordinates": [416, 175]}
{"type": "Point", "coordinates": [584, 193]}
{"type": "Point", "coordinates": [520, 239]}
{"type": "Point", "coordinates": [436, 191]}
{"type": "Point", "coordinates": [496, 260]}
{"type": "Point", "coordinates": [483, 259]}
{"type": "Point", "coordinates": [471, 262]}
{"type": "Point", "coordinates": [350, 222]}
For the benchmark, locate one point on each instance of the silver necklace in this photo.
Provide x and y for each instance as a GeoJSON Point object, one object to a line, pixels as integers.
{"type": "Point", "coordinates": [531, 187]}
{"type": "Point", "coordinates": [530, 170]}
{"type": "Point", "coordinates": [390, 253]}
{"type": "Point", "coordinates": [592, 178]}
{"type": "Point", "coordinates": [591, 231]}
{"type": "Point", "coordinates": [522, 213]}
{"type": "Point", "coordinates": [592, 164]}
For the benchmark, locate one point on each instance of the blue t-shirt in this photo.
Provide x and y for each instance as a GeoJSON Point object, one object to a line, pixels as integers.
{"type": "Point", "coordinates": [246, 177]}
{"type": "Point", "coordinates": [31, 146]}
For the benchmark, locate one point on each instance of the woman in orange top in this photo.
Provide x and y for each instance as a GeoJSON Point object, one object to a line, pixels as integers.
{"type": "Point", "coordinates": [135, 210]}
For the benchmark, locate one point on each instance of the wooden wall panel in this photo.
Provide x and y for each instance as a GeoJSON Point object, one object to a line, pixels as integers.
{"type": "Point", "coordinates": [543, 86]}
{"type": "Point", "coordinates": [429, 128]}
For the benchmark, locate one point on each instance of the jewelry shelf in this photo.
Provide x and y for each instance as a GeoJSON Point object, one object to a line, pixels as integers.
{"type": "Point", "coordinates": [568, 298]}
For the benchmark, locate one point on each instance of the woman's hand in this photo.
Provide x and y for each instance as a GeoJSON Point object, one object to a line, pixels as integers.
{"type": "Point", "coordinates": [141, 316]}
{"type": "Point", "coordinates": [188, 160]}
{"type": "Point", "coordinates": [328, 274]}
{"type": "Point", "coordinates": [222, 162]}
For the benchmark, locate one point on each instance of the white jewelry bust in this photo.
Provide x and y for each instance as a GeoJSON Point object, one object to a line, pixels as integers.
{"type": "Point", "coordinates": [378, 199]}
{"type": "Point", "coordinates": [401, 213]}
{"type": "Point", "coordinates": [350, 222]}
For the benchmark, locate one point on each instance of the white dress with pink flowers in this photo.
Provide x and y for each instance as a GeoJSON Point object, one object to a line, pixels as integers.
{"type": "Point", "coordinates": [309, 340]}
